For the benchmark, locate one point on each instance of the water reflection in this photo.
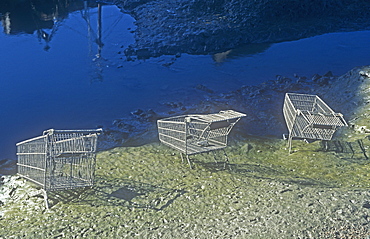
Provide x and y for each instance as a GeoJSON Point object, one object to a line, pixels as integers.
{"type": "Point", "coordinates": [43, 17]}
{"type": "Point", "coordinates": [242, 51]}
{"type": "Point", "coordinates": [53, 89]}
{"type": "Point", "coordinates": [97, 61]}
{"type": "Point", "coordinates": [19, 17]}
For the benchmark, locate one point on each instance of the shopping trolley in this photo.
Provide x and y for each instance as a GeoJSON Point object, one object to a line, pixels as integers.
{"type": "Point", "coordinates": [309, 117]}
{"type": "Point", "coordinates": [198, 133]}
{"type": "Point", "coordinates": [59, 159]}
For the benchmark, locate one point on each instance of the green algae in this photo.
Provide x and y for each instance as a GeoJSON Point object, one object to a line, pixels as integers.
{"type": "Point", "coordinates": [145, 191]}
{"type": "Point", "coordinates": [310, 164]}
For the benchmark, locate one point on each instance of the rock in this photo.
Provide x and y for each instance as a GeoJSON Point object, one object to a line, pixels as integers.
{"type": "Point", "coordinates": [227, 96]}
{"type": "Point", "coordinates": [246, 148]}
{"type": "Point", "coordinates": [137, 112]}
{"type": "Point", "coordinates": [173, 104]}
{"type": "Point", "coordinates": [301, 79]}
{"type": "Point", "coordinates": [282, 80]}
{"type": "Point", "coordinates": [316, 77]}
{"type": "Point", "coordinates": [328, 74]}
{"type": "Point", "coordinates": [365, 74]}
{"type": "Point", "coordinates": [323, 81]}
{"type": "Point", "coordinates": [143, 53]}
{"type": "Point", "coordinates": [149, 115]}
{"type": "Point", "coordinates": [120, 123]}
{"type": "Point", "coordinates": [204, 88]}
{"type": "Point", "coordinates": [168, 64]}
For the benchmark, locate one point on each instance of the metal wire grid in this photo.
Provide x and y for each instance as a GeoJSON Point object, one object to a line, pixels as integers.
{"type": "Point", "coordinates": [193, 134]}
{"type": "Point", "coordinates": [59, 159]}
{"type": "Point", "coordinates": [309, 117]}
{"type": "Point", "coordinates": [73, 163]}
{"type": "Point", "coordinates": [32, 159]}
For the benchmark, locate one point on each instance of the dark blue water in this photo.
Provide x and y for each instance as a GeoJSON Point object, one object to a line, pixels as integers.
{"type": "Point", "coordinates": [63, 84]}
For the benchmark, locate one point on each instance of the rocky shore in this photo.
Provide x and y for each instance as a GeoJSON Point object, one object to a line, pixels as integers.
{"type": "Point", "coordinates": [146, 192]}
{"type": "Point", "coordinates": [262, 104]}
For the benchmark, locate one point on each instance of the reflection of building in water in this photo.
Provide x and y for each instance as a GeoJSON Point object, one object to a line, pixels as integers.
{"type": "Point", "coordinates": [43, 17]}
{"type": "Point", "coordinates": [37, 16]}
{"type": "Point", "coordinates": [97, 60]}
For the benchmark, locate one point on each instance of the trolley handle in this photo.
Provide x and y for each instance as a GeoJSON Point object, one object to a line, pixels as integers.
{"type": "Point", "coordinates": [53, 131]}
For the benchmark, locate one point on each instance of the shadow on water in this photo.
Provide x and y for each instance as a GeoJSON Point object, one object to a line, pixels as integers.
{"type": "Point", "coordinates": [130, 194]}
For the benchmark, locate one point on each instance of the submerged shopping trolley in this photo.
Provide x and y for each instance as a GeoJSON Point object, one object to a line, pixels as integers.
{"type": "Point", "coordinates": [309, 117]}
{"type": "Point", "coordinates": [59, 159]}
{"type": "Point", "coordinates": [196, 133]}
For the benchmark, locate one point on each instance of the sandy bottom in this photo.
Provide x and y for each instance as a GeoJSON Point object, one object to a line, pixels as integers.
{"type": "Point", "coordinates": [147, 192]}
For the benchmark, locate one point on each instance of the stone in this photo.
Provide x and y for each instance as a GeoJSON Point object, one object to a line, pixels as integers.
{"type": "Point", "coordinates": [316, 77]}
{"type": "Point", "coordinates": [328, 74]}
{"type": "Point", "coordinates": [204, 88]}
{"type": "Point", "coordinates": [323, 81]}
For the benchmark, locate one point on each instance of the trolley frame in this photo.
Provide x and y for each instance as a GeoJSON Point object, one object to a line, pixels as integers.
{"type": "Point", "coordinates": [198, 133]}
{"type": "Point", "coordinates": [59, 159]}
{"type": "Point", "coordinates": [309, 117]}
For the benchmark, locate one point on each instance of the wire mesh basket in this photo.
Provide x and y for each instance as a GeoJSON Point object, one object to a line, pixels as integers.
{"type": "Point", "coordinates": [59, 159]}
{"type": "Point", "coordinates": [309, 117]}
{"type": "Point", "coordinates": [196, 133]}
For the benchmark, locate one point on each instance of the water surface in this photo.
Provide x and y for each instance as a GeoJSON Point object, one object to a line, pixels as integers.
{"type": "Point", "coordinates": [69, 81]}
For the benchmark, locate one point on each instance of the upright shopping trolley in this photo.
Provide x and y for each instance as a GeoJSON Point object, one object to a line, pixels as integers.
{"type": "Point", "coordinates": [309, 117]}
{"type": "Point", "coordinates": [197, 133]}
{"type": "Point", "coordinates": [59, 159]}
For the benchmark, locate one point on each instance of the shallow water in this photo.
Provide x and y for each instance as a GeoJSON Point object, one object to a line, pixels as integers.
{"type": "Point", "coordinates": [63, 84]}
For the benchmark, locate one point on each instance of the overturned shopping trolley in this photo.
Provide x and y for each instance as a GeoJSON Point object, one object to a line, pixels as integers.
{"type": "Point", "coordinates": [309, 117]}
{"type": "Point", "coordinates": [59, 159]}
{"type": "Point", "coordinates": [196, 133]}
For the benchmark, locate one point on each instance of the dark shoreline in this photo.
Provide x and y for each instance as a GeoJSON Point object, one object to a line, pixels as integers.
{"type": "Point", "coordinates": [262, 104]}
